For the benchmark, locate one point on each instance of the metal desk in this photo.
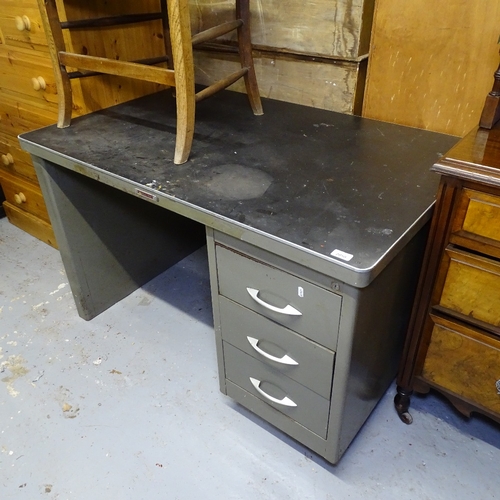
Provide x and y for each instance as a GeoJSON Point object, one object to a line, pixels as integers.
{"type": "Point", "coordinates": [339, 201]}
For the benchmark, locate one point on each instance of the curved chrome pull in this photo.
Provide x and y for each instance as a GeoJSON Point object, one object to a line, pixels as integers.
{"type": "Point", "coordinates": [286, 401]}
{"type": "Point", "coordinates": [289, 310]}
{"type": "Point", "coordinates": [285, 360]}
{"type": "Point", "coordinates": [497, 385]}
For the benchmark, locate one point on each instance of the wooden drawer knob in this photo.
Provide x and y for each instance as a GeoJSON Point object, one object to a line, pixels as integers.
{"type": "Point", "coordinates": [38, 83]}
{"type": "Point", "coordinates": [7, 159]}
{"type": "Point", "coordinates": [23, 23]}
{"type": "Point", "coordinates": [19, 198]}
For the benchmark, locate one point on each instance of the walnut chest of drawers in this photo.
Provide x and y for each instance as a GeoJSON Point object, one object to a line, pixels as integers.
{"type": "Point", "coordinates": [453, 344]}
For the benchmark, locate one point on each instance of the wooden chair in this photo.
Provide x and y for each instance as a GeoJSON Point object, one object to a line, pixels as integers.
{"type": "Point", "coordinates": [178, 67]}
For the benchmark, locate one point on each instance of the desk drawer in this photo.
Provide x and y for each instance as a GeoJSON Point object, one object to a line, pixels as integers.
{"type": "Point", "coordinates": [472, 286]}
{"type": "Point", "coordinates": [478, 218]}
{"type": "Point", "coordinates": [464, 361]}
{"type": "Point", "coordinates": [297, 402]}
{"type": "Point", "coordinates": [306, 362]}
{"type": "Point", "coordinates": [305, 308]}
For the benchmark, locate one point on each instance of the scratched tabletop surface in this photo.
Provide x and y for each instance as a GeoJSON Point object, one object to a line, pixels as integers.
{"type": "Point", "coordinates": [343, 187]}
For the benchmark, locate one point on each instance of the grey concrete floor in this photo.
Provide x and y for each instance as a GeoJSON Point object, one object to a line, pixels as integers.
{"type": "Point", "coordinates": [127, 406]}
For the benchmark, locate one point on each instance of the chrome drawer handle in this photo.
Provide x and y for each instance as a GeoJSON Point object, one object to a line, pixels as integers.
{"type": "Point", "coordinates": [289, 310]}
{"type": "Point", "coordinates": [285, 360]}
{"type": "Point", "coordinates": [286, 401]}
{"type": "Point", "coordinates": [497, 385]}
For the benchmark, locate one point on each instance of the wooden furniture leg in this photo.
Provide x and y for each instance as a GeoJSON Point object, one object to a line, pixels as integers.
{"type": "Point", "coordinates": [245, 50]}
{"type": "Point", "coordinates": [53, 31]}
{"type": "Point", "coordinates": [180, 30]}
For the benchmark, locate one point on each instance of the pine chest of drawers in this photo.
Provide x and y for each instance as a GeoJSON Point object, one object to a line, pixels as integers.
{"type": "Point", "coordinates": [27, 101]}
{"type": "Point", "coordinates": [453, 344]}
{"type": "Point", "coordinates": [28, 98]}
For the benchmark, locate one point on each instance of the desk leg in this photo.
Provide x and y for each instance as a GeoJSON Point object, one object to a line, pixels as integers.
{"type": "Point", "coordinates": [111, 242]}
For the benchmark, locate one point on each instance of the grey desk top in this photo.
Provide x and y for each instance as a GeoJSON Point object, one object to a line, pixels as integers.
{"type": "Point", "coordinates": [347, 190]}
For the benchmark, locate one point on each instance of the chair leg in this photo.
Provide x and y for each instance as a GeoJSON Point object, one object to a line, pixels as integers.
{"type": "Point", "coordinates": [246, 58]}
{"type": "Point", "coordinates": [185, 130]}
{"type": "Point", "coordinates": [166, 34]}
{"type": "Point", "coordinates": [65, 101]}
{"type": "Point", "coordinates": [53, 31]}
{"type": "Point", "coordinates": [182, 52]}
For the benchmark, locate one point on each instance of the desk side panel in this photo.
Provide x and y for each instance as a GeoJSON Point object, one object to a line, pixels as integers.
{"type": "Point", "coordinates": [111, 243]}
{"type": "Point", "coordinates": [377, 337]}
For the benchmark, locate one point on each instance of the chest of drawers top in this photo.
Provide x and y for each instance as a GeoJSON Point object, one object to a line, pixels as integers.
{"type": "Point", "coordinates": [476, 157]}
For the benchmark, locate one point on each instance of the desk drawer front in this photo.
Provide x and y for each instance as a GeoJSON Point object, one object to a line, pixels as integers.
{"type": "Point", "coordinates": [314, 311]}
{"type": "Point", "coordinates": [465, 362]}
{"type": "Point", "coordinates": [299, 359]}
{"type": "Point", "coordinates": [472, 286]}
{"type": "Point", "coordinates": [297, 402]}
